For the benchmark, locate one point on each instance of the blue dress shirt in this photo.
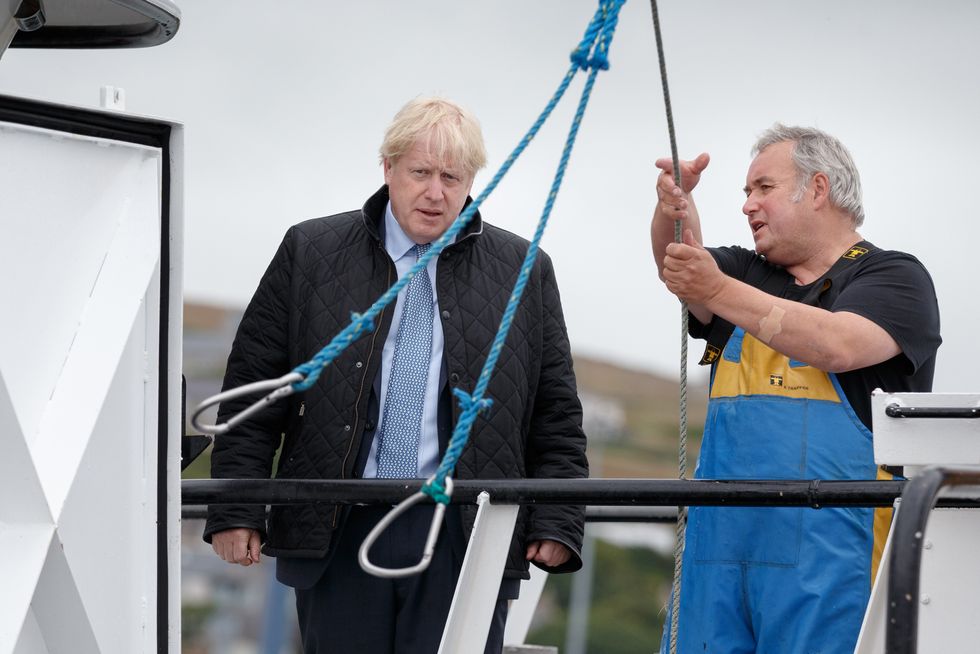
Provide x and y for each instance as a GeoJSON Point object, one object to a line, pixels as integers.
{"type": "Point", "coordinates": [399, 246]}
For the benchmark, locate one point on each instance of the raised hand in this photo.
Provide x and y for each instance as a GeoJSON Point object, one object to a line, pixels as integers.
{"type": "Point", "coordinates": [675, 200]}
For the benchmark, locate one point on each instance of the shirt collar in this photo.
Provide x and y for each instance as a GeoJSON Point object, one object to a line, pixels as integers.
{"type": "Point", "coordinates": [397, 242]}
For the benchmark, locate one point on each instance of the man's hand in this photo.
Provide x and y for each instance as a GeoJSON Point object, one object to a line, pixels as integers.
{"type": "Point", "coordinates": [237, 545]}
{"type": "Point", "coordinates": [548, 553]}
{"type": "Point", "coordinates": [691, 273]}
{"type": "Point", "coordinates": [674, 199]}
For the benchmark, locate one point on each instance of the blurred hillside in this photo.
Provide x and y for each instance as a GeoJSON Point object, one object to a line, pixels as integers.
{"type": "Point", "coordinates": [647, 446]}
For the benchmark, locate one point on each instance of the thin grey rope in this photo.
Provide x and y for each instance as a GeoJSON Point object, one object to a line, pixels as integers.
{"type": "Point", "coordinates": [675, 592]}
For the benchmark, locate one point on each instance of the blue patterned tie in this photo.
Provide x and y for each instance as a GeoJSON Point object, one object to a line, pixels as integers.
{"type": "Point", "coordinates": [401, 426]}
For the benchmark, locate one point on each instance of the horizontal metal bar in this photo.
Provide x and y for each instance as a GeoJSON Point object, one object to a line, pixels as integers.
{"type": "Point", "coordinates": [631, 514]}
{"type": "Point", "coordinates": [897, 411]}
{"type": "Point", "coordinates": [594, 492]}
{"type": "Point", "coordinates": [592, 513]}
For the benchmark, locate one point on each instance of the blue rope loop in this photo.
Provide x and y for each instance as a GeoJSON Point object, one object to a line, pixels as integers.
{"type": "Point", "coordinates": [437, 491]}
{"type": "Point", "coordinates": [596, 41]}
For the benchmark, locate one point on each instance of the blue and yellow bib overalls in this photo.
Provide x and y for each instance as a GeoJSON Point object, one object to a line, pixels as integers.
{"type": "Point", "coordinates": [777, 580]}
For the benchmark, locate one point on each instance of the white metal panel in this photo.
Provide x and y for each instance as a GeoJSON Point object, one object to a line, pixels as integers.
{"type": "Point", "coordinates": [58, 607]}
{"type": "Point", "coordinates": [21, 498]}
{"type": "Point", "coordinates": [79, 394]}
{"type": "Point", "coordinates": [24, 548]}
{"type": "Point", "coordinates": [61, 213]}
{"type": "Point", "coordinates": [123, 529]}
{"type": "Point", "coordinates": [925, 441]}
{"type": "Point", "coordinates": [31, 639]}
{"type": "Point", "coordinates": [949, 617]}
{"type": "Point", "coordinates": [107, 317]}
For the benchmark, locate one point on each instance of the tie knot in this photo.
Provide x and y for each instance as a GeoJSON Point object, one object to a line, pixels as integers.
{"type": "Point", "coordinates": [421, 249]}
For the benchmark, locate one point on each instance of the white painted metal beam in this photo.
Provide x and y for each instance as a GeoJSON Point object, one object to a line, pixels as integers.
{"type": "Point", "coordinates": [479, 580]}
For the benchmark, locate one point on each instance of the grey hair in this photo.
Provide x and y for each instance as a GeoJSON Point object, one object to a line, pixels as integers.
{"type": "Point", "coordinates": [454, 132]}
{"type": "Point", "coordinates": [815, 152]}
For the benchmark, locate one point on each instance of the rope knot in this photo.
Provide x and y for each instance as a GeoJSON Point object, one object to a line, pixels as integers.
{"type": "Point", "coordinates": [467, 402]}
{"type": "Point", "coordinates": [598, 35]}
{"type": "Point", "coordinates": [582, 59]}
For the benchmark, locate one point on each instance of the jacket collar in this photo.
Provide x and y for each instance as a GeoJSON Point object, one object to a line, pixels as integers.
{"type": "Point", "coordinates": [373, 215]}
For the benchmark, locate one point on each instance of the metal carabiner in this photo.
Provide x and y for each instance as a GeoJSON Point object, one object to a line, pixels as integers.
{"type": "Point", "coordinates": [282, 387]}
{"type": "Point", "coordinates": [430, 541]}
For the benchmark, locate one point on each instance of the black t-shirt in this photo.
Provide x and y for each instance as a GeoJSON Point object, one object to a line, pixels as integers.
{"type": "Point", "coordinates": [891, 289]}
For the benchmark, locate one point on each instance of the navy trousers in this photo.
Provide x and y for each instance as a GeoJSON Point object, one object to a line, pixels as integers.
{"type": "Point", "coordinates": [347, 610]}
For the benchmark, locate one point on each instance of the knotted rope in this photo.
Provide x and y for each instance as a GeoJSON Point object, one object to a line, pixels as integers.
{"type": "Point", "coordinates": [591, 55]}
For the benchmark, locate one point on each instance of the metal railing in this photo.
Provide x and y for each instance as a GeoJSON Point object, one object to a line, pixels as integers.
{"type": "Point", "coordinates": [593, 492]}
{"type": "Point", "coordinates": [636, 500]}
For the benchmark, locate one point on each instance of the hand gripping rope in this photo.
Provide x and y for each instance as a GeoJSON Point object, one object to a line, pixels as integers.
{"type": "Point", "coordinates": [592, 55]}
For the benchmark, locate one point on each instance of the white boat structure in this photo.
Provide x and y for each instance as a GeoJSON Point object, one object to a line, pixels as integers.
{"type": "Point", "coordinates": [91, 404]}
{"type": "Point", "coordinates": [90, 362]}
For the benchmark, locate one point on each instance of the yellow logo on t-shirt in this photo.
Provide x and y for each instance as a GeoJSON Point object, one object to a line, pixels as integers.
{"type": "Point", "coordinates": [711, 354]}
{"type": "Point", "coordinates": [775, 380]}
{"type": "Point", "coordinates": [855, 252]}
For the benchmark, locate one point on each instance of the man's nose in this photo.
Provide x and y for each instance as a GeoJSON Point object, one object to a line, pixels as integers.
{"type": "Point", "coordinates": [434, 189]}
{"type": "Point", "coordinates": [750, 206]}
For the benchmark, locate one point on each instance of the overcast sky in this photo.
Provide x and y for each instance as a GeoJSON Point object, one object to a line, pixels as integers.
{"type": "Point", "coordinates": [284, 106]}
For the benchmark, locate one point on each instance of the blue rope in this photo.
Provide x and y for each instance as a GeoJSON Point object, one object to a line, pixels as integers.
{"type": "Point", "coordinates": [592, 55]}
{"type": "Point", "coordinates": [599, 34]}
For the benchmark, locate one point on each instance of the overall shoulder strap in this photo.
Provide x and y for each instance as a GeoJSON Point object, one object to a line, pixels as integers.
{"type": "Point", "coordinates": [833, 280]}
{"type": "Point", "coordinates": [775, 283]}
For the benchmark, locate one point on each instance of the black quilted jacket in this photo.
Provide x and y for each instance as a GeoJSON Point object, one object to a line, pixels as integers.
{"type": "Point", "coordinates": [327, 268]}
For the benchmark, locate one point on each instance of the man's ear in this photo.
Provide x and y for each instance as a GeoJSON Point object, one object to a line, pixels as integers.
{"type": "Point", "coordinates": [386, 164]}
{"type": "Point", "coordinates": [820, 187]}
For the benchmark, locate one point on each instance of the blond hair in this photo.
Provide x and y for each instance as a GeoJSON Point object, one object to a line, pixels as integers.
{"type": "Point", "coordinates": [454, 133]}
